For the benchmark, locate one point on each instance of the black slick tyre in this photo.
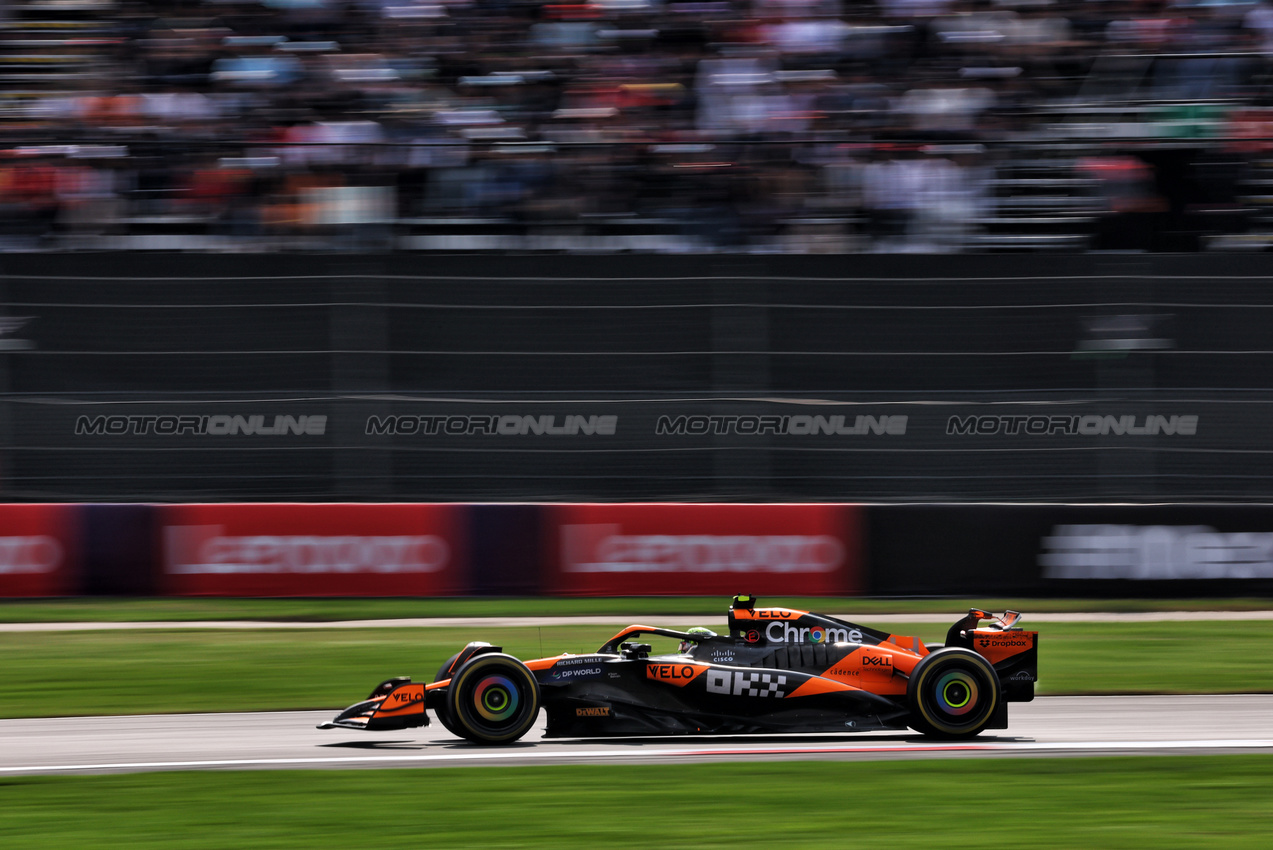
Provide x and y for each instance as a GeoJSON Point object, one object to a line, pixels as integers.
{"type": "Point", "coordinates": [952, 693]}
{"type": "Point", "coordinates": [492, 699]}
{"type": "Point", "coordinates": [442, 713]}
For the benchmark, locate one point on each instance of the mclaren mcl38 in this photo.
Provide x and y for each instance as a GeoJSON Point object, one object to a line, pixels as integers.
{"type": "Point", "coordinates": [777, 671]}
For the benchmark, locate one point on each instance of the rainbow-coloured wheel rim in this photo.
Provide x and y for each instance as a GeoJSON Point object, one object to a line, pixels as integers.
{"type": "Point", "coordinates": [495, 699]}
{"type": "Point", "coordinates": [957, 693]}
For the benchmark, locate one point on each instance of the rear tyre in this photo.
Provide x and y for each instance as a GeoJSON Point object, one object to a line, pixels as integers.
{"type": "Point", "coordinates": [953, 693]}
{"type": "Point", "coordinates": [493, 699]}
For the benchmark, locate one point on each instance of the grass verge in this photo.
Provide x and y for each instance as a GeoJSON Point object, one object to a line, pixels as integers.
{"type": "Point", "coordinates": [114, 610]}
{"type": "Point", "coordinates": [161, 670]}
{"type": "Point", "coordinates": [1160, 802]}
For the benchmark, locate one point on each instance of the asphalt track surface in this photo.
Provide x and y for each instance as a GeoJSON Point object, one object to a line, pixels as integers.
{"type": "Point", "coordinates": [1049, 726]}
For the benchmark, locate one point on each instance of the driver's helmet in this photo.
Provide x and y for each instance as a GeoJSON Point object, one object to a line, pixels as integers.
{"type": "Point", "coordinates": [698, 633]}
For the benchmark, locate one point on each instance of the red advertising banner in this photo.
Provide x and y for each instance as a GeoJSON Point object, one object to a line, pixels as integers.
{"type": "Point", "coordinates": [39, 550]}
{"type": "Point", "coordinates": [313, 550]}
{"type": "Point", "coordinates": [709, 550]}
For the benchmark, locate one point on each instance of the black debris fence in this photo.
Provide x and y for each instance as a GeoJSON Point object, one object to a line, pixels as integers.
{"type": "Point", "coordinates": [315, 377]}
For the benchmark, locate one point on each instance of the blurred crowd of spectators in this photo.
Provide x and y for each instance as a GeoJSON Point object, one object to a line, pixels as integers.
{"type": "Point", "coordinates": [757, 125]}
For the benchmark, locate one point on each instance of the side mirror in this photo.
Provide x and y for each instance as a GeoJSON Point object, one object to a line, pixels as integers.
{"type": "Point", "coordinates": [635, 650]}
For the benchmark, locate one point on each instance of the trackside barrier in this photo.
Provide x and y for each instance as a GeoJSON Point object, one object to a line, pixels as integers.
{"type": "Point", "coordinates": [313, 550]}
{"type": "Point", "coordinates": [120, 557]}
{"type": "Point", "coordinates": [506, 555]}
{"type": "Point", "coordinates": [295, 549]}
{"type": "Point", "coordinates": [634, 549]}
{"type": "Point", "coordinates": [1071, 550]}
{"type": "Point", "coordinates": [569, 550]}
{"type": "Point", "coordinates": [40, 550]}
{"type": "Point", "coordinates": [688, 549]}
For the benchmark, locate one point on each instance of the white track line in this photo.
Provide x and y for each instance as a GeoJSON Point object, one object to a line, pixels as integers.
{"type": "Point", "coordinates": [612, 755]}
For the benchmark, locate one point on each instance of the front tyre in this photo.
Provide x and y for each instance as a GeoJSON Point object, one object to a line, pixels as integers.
{"type": "Point", "coordinates": [443, 713]}
{"type": "Point", "coordinates": [953, 693]}
{"type": "Point", "coordinates": [492, 699]}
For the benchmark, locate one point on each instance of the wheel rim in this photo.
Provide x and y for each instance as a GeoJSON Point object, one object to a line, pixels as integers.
{"type": "Point", "coordinates": [956, 693]}
{"type": "Point", "coordinates": [495, 699]}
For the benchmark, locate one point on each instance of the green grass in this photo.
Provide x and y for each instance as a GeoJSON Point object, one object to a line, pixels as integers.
{"type": "Point", "coordinates": [1167, 803]}
{"type": "Point", "coordinates": [183, 670]}
{"type": "Point", "coordinates": [318, 610]}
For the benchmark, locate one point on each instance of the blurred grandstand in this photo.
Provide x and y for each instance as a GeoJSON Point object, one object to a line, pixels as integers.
{"type": "Point", "coordinates": [696, 126]}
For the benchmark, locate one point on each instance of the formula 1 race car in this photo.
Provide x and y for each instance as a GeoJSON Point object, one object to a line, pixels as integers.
{"type": "Point", "coordinates": [777, 671]}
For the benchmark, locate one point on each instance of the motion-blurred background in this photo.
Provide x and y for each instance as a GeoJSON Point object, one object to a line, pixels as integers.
{"type": "Point", "coordinates": [982, 255]}
{"type": "Point", "coordinates": [765, 126]}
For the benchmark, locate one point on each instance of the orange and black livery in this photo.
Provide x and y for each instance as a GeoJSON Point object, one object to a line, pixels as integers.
{"type": "Point", "coordinates": [777, 670]}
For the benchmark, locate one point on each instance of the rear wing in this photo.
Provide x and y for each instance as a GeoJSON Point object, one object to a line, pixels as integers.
{"type": "Point", "coordinates": [1012, 651]}
{"type": "Point", "coordinates": [960, 634]}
